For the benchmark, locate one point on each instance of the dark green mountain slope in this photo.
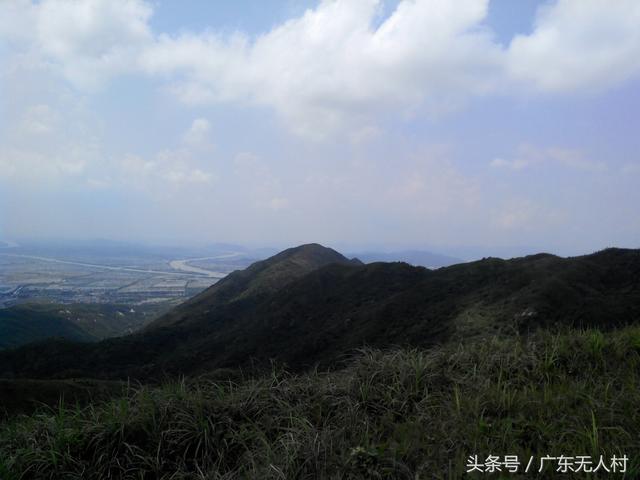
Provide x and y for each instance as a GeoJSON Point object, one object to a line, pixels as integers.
{"type": "Point", "coordinates": [338, 308]}
{"type": "Point", "coordinates": [256, 282]}
{"type": "Point", "coordinates": [31, 322]}
{"type": "Point", "coordinates": [24, 324]}
{"type": "Point", "coordinates": [331, 310]}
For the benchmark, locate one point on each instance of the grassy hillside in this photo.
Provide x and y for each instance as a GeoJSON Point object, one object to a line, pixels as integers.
{"type": "Point", "coordinates": [33, 322]}
{"type": "Point", "coordinates": [106, 320]}
{"type": "Point", "coordinates": [25, 396]}
{"type": "Point", "coordinates": [406, 413]}
{"type": "Point", "coordinates": [23, 324]}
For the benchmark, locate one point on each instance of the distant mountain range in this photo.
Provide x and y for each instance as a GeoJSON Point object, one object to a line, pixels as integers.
{"type": "Point", "coordinates": [310, 305]}
{"type": "Point", "coordinates": [418, 258]}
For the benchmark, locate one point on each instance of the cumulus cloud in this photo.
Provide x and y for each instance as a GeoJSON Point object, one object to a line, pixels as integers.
{"type": "Point", "coordinates": [342, 69]}
{"type": "Point", "coordinates": [87, 42]}
{"type": "Point", "coordinates": [198, 134]}
{"type": "Point", "coordinates": [46, 143]}
{"type": "Point", "coordinates": [187, 176]}
{"type": "Point", "coordinates": [340, 65]}
{"type": "Point", "coordinates": [428, 55]}
{"type": "Point", "coordinates": [41, 167]}
{"type": "Point", "coordinates": [173, 168]}
{"type": "Point", "coordinates": [579, 44]}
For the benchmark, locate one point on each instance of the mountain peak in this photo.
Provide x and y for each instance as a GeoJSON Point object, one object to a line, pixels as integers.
{"type": "Point", "coordinates": [314, 253]}
{"type": "Point", "coordinates": [260, 279]}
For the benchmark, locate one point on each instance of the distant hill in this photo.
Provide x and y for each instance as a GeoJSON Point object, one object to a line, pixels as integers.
{"type": "Point", "coordinates": [258, 281]}
{"type": "Point", "coordinates": [29, 322]}
{"type": "Point", "coordinates": [311, 305]}
{"type": "Point", "coordinates": [106, 320]}
{"type": "Point", "coordinates": [23, 324]}
{"type": "Point", "coordinates": [418, 258]}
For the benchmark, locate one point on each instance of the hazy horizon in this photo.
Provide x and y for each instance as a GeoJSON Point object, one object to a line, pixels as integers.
{"type": "Point", "coordinates": [379, 125]}
{"type": "Point", "coordinates": [462, 252]}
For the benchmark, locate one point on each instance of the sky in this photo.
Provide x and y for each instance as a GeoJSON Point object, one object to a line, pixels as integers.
{"type": "Point", "coordinates": [359, 123]}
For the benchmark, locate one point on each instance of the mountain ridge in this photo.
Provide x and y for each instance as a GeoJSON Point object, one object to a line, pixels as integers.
{"type": "Point", "coordinates": [417, 258]}
{"type": "Point", "coordinates": [318, 316]}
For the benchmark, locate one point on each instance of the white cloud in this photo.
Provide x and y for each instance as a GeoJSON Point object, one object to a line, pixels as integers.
{"type": "Point", "coordinates": [342, 70]}
{"type": "Point", "coordinates": [339, 67]}
{"type": "Point", "coordinates": [187, 176]}
{"type": "Point", "coordinates": [579, 44]}
{"type": "Point", "coordinates": [15, 19]}
{"type": "Point", "coordinates": [39, 119]}
{"type": "Point", "coordinates": [87, 42]}
{"type": "Point", "coordinates": [515, 164]}
{"type": "Point", "coordinates": [84, 163]}
{"type": "Point", "coordinates": [40, 167]}
{"type": "Point", "coordinates": [529, 156]}
{"type": "Point", "coordinates": [135, 166]}
{"type": "Point", "coordinates": [198, 134]}
{"type": "Point", "coordinates": [429, 55]}
{"type": "Point", "coordinates": [168, 167]}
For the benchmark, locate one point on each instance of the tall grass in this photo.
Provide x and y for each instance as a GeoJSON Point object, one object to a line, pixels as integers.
{"type": "Point", "coordinates": [405, 413]}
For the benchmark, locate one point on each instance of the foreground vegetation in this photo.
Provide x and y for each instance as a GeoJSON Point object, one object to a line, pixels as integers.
{"type": "Point", "coordinates": [395, 414]}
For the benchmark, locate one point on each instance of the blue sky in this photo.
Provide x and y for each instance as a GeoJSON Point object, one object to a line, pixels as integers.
{"type": "Point", "coordinates": [362, 123]}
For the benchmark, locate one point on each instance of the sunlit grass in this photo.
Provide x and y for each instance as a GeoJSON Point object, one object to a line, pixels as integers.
{"type": "Point", "coordinates": [405, 413]}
